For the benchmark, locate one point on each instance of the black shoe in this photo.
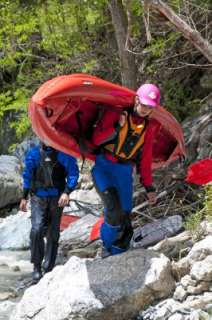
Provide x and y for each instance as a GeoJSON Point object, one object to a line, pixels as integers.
{"type": "Point", "coordinates": [37, 274]}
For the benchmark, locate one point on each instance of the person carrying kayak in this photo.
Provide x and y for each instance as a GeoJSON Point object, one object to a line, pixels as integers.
{"type": "Point", "coordinates": [49, 177]}
{"type": "Point", "coordinates": [124, 140]}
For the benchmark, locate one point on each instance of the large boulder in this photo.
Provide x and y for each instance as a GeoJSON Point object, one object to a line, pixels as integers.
{"type": "Point", "coordinates": [114, 288]}
{"type": "Point", "coordinates": [14, 231]}
{"type": "Point", "coordinates": [6, 308]}
{"type": "Point", "coordinates": [10, 180]}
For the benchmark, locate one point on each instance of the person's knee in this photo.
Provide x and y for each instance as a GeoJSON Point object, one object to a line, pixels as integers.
{"type": "Point", "coordinates": [37, 229]}
{"type": "Point", "coordinates": [115, 214]}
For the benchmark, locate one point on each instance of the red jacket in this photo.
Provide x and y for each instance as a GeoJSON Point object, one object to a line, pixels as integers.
{"type": "Point", "coordinates": [106, 130]}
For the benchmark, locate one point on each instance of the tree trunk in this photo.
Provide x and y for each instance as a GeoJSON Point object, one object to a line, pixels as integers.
{"type": "Point", "coordinates": [192, 35]}
{"type": "Point", "coordinates": [127, 59]}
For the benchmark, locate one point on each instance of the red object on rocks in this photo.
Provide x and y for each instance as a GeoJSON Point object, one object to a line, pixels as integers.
{"type": "Point", "coordinates": [66, 220]}
{"type": "Point", "coordinates": [95, 231]}
{"type": "Point", "coordinates": [200, 172]}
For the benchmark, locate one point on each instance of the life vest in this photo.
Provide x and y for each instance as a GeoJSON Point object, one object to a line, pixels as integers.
{"type": "Point", "coordinates": [129, 140]}
{"type": "Point", "coordinates": [50, 173]}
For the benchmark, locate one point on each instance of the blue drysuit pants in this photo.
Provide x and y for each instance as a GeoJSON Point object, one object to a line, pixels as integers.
{"type": "Point", "coordinates": [118, 178]}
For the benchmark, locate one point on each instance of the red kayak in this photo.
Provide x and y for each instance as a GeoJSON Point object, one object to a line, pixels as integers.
{"type": "Point", "coordinates": [65, 109]}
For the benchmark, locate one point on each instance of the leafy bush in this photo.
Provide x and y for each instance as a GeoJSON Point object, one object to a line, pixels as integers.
{"type": "Point", "coordinates": [208, 203]}
{"type": "Point", "coordinates": [193, 221]}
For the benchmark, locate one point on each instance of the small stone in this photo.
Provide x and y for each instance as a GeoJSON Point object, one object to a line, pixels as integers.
{"type": "Point", "coordinates": [202, 270]}
{"type": "Point", "coordinates": [187, 281]}
{"type": "Point", "coordinates": [16, 268]}
{"type": "Point", "coordinates": [180, 294]}
{"type": "Point", "coordinates": [5, 295]}
{"type": "Point", "coordinates": [201, 287]}
{"type": "Point", "coordinates": [177, 316]}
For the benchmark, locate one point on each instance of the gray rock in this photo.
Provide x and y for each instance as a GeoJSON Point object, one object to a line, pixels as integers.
{"type": "Point", "coordinates": [10, 180]}
{"type": "Point", "coordinates": [171, 310]}
{"type": "Point", "coordinates": [114, 288]}
{"type": "Point", "coordinates": [188, 281]}
{"type": "Point", "coordinates": [199, 288]}
{"type": "Point", "coordinates": [154, 232]}
{"type": "Point", "coordinates": [201, 249]}
{"type": "Point", "coordinates": [198, 301]}
{"type": "Point", "coordinates": [174, 246]}
{"type": "Point", "coordinates": [202, 270]}
{"type": "Point", "coordinates": [199, 252]}
{"type": "Point", "coordinates": [6, 308]}
{"type": "Point", "coordinates": [180, 294]}
{"type": "Point", "coordinates": [14, 231]}
{"type": "Point", "coordinates": [161, 311]}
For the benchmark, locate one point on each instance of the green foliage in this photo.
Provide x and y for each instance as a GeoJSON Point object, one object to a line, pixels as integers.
{"type": "Point", "coordinates": [16, 28]}
{"type": "Point", "coordinates": [14, 105]}
{"type": "Point", "coordinates": [192, 222]}
{"type": "Point", "coordinates": [178, 100]}
{"type": "Point", "coordinates": [89, 66]}
{"type": "Point", "coordinates": [39, 40]}
{"type": "Point", "coordinates": [137, 15]}
{"type": "Point", "coordinates": [175, 97]}
{"type": "Point", "coordinates": [208, 202]}
{"type": "Point", "coordinates": [156, 47]}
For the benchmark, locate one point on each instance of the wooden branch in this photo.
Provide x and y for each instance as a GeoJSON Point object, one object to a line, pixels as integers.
{"type": "Point", "coordinates": [146, 203]}
{"type": "Point", "coordinates": [146, 22]}
{"type": "Point", "coordinates": [192, 35]}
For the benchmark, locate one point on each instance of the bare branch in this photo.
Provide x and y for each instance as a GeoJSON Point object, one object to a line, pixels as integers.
{"type": "Point", "coordinates": [192, 35]}
{"type": "Point", "coordinates": [146, 21]}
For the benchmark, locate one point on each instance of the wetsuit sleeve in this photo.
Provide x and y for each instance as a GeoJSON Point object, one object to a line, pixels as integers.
{"type": "Point", "coordinates": [72, 171]}
{"type": "Point", "coordinates": [145, 166]}
{"type": "Point", "coordinates": [106, 128]}
{"type": "Point", "coordinates": [30, 165]}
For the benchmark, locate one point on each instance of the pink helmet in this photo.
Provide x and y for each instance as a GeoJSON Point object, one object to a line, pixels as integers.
{"type": "Point", "coordinates": [149, 94]}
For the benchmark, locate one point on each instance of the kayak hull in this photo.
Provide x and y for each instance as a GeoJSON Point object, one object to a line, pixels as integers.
{"type": "Point", "coordinates": [64, 111]}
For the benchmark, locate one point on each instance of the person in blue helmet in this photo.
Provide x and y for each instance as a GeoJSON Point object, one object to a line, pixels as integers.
{"type": "Point", "coordinates": [49, 177]}
{"type": "Point", "coordinates": [124, 140]}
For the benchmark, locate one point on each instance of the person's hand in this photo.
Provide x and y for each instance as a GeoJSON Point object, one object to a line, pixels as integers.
{"type": "Point", "coordinates": [23, 205]}
{"type": "Point", "coordinates": [64, 200]}
{"type": "Point", "coordinates": [123, 118]}
{"type": "Point", "coordinates": [151, 197]}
